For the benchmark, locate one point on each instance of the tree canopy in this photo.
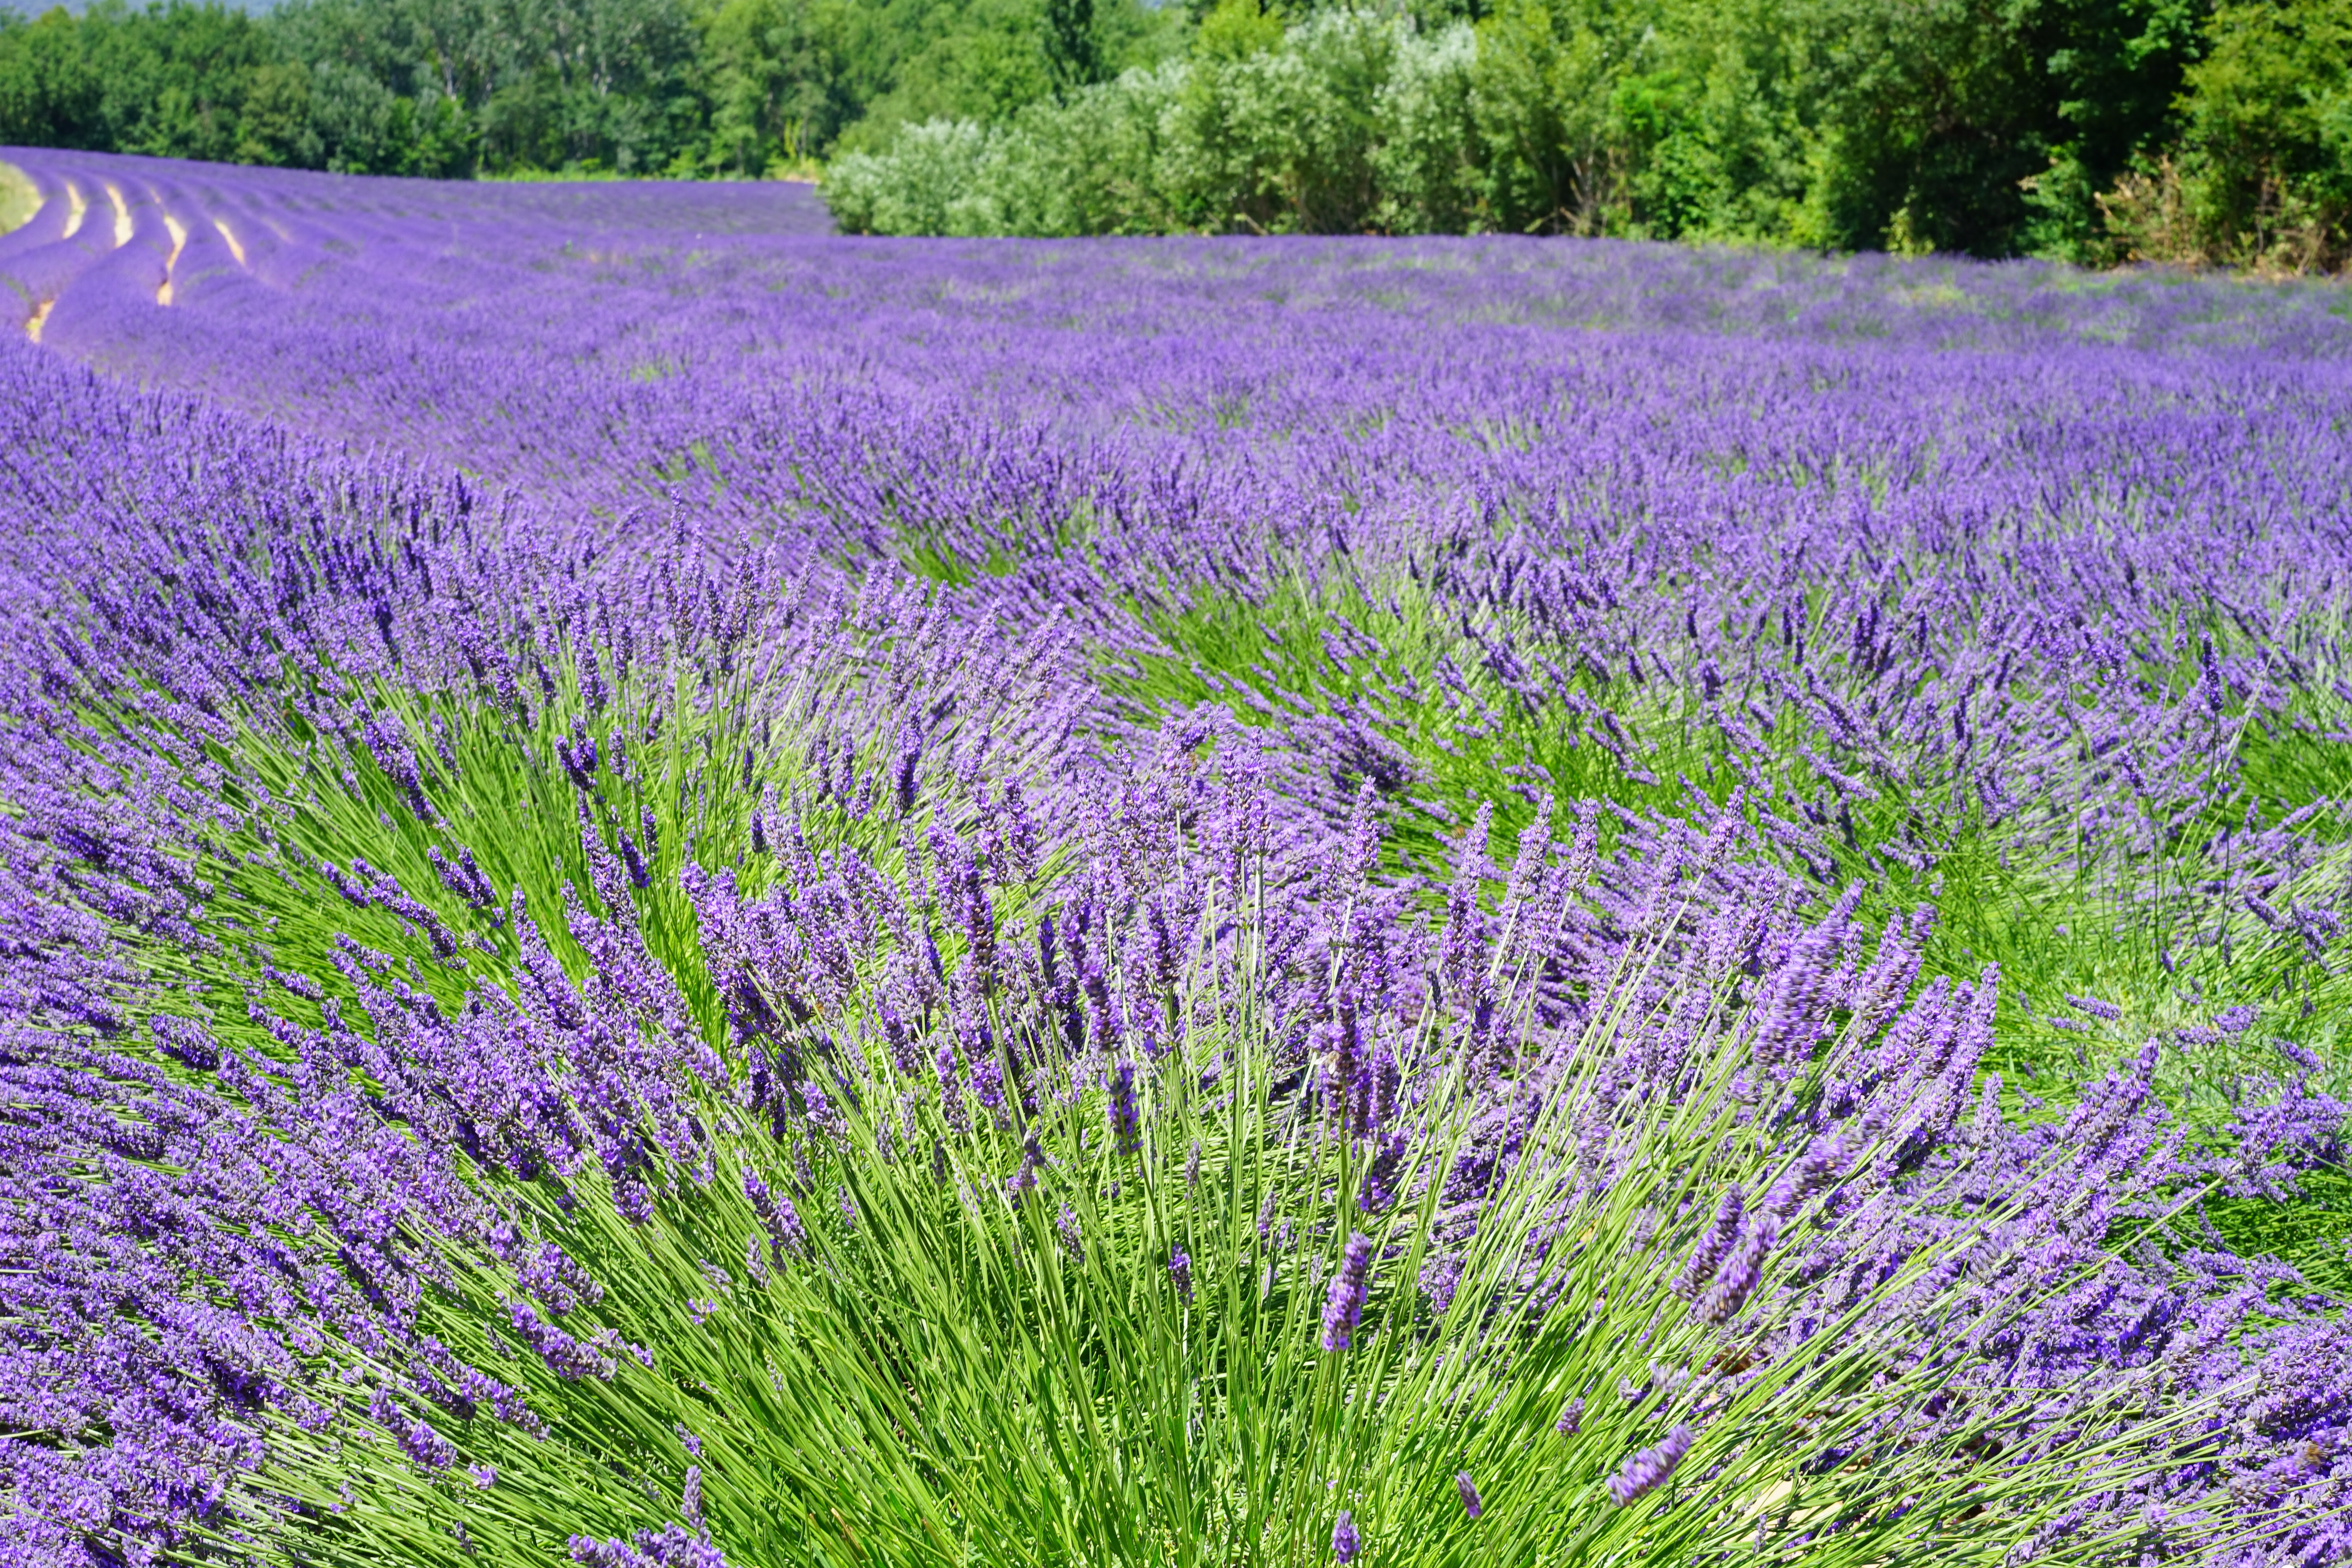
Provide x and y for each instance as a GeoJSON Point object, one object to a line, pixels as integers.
{"type": "Point", "coordinates": [2092, 130]}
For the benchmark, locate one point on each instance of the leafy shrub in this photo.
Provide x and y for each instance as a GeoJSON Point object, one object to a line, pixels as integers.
{"type": "Point", "coordinates": [2263, 174]}
{"type": "Point", "coordinates": [1841, 124]}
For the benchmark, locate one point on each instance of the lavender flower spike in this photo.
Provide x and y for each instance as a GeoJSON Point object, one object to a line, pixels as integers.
{"type": "Point", "coordinates": [1739, 1275]}
{"type": "Point", "coordinates": [1343, 1310]}
{"type": "Point", "coordinates": [1344, 1542]}
{"type": "Point", "coordinates": [1646, 1472]}
{"type": "Point", "coordinates": [1126, 1125]}
{"type": "Point", "coordinates": [1713, 1247]}
{"type": "Point", "coordinates": [1471, 1504]}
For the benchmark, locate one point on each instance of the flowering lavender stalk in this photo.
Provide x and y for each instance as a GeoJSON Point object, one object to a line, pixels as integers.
{"type": "Point", "coordinates": [1647, 1470]}
{"type": "Point", "coordinates": [1714, 1246]}
{"type": "Point", "coordinates": [1471, 1503]}
{"type": "Point", "coordinates": [1344, 1542]}
{"type": "Point", "coordinates": [1741, 1273]}
{"type": "Point", "coordinates": [1024, 1178]}
{"type": "Point", "coordinates": [1817, 1169]}
{"type": "Point", "coordinates": [1343, 1307]}
{"type": "Point", "coordinates": [1127, 1127]}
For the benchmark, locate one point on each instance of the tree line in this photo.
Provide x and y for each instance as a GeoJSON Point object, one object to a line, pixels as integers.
{"type": "Point", "coordinates": [2093, 131]}
{"type": "Point", "coordinates": [456, 89]}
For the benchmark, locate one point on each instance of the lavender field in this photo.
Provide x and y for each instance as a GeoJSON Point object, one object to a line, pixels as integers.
{"type": "Point", "coordinates": [681, 891]}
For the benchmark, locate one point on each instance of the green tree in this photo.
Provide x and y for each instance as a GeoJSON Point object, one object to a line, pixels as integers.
{"type": "Point", "coordinates": [1544, 96]}
{"type": "Point", "coordinates": [51, 94]}
{"type": "Point", "coordinates": [1073, 52]}
{"type": "Point", "coordinates": [274, 121]}
{"type": "Point", "coordinates": [2267, 148]}
{"type": "Point", "coordinates": [772, 75]}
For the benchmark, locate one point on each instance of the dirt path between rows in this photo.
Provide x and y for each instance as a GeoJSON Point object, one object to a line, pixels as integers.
{"type": "Point", "coordinates": [178, 233]}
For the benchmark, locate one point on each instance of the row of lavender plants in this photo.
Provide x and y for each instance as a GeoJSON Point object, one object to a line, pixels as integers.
{"type": "Point", "coordinates": [684, 894]}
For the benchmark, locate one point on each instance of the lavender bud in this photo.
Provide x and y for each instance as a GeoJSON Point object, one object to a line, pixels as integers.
{"type": "Point", "coordinates": [1646, 1472]}
{"type": "Point", "coordinates": [1344, 1542]}
{"type": "Point", "coordinates": [1731, 1286]}
{"type": "Point", "coordinates": [1714, 1246]}
{"type": "Point", "coordinates": [1343, 1309]}
{"type": "Point", "coordinates": [1126, 1126]}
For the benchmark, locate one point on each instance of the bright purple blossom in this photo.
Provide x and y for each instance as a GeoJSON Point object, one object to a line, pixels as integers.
{"type": "Point", "coordinates": [1343, 1305]}
{"type": "Point", "coordinates": [1647, 1470]}
{"type": "Point", "coordinates": [1345, 1541]}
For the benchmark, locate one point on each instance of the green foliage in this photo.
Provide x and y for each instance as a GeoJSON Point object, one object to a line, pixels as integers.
{"type": "Point", "coordinates": [773, 76]}
{"type": "Point", "coordinates": [455, 87]}
{"type": "Point", "coordinates": [1073, 48]}
{"type": "Point", "coordinates": [1953, 125]}
{"type": "Point", "coordinates": [441, 86]}
{"type": "Point", "coordinates": [2087, 131]}
{"type": "Point", "coordinates": [195, 80]}
{"type": "Point", "coordinates": [2262, 176]}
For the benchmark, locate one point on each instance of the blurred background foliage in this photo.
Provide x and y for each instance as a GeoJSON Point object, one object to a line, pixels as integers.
{"type": "Point", "coordinates": [2099, 131]}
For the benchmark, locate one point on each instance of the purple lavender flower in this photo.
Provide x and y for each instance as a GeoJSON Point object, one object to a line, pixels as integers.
{"type": "Point", "coordinates": [1344, 1542]}
{"type": "Point", "coordinates": [1471, 1504]}
{"type": "Point", "coordinates": [1647, 1470]}
{"type": "Point", "coordinates": [1741, 1273]}
{"type": "Point", "coordinates": [1381, 1174]}
{"type": "Point", "coordinates": [787, 1237]}
{"type": "Point", "coordinates": [1714, 1246]}
{"type": "Point", "coordinates": [1343, 1306]}
{"type": "Point", "coordinates": [1440, 1277]}
{"type": "Point", "coordinates": [1179, 1269]}
{"type": "Point", "coordinates": [1025, 1177]}
{"type": "Point", "coordinates": [672, 1546]}
{"type": "Point", "coordinates": [1821, 1165]}
{"type": "Point", "coordinates": [1126, 1125]}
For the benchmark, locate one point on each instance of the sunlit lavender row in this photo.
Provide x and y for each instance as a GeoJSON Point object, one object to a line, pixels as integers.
{"type": "Point", "coordinates": [687, 892]}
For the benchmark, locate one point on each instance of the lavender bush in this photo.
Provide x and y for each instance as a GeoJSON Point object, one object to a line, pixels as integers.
{"type": "Point", "coordinates": [685, 892]}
